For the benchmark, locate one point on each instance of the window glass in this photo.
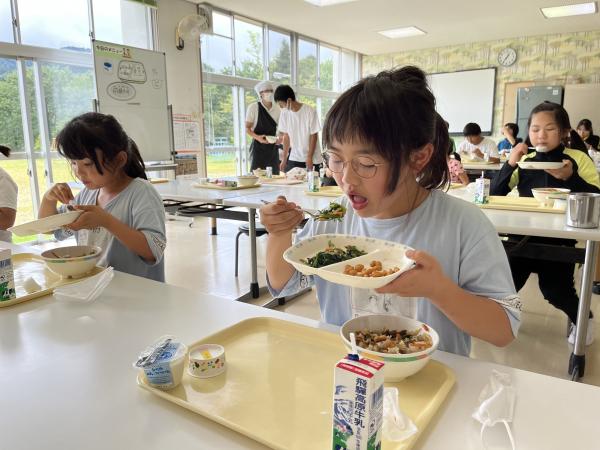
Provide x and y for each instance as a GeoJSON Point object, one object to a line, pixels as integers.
{"type": "Point", "coordinates": [328, 68]}
{"type": "Point", "coordinates": [280, 57]}
{"type": "Point", "coordinates": [307, 64]}
{"type": "Point", "coordinates": [219, 130]}
{"type": "Point", "coordinates": [6, 31]}
{"type": "Point", "coordinates": [248, 50]}
{"type": "Point", "coordinates": [122, 22]}
{"type": "Point", "coordinates": [62, 24]}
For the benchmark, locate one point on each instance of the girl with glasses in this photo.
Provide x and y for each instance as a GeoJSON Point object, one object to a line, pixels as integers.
{"type": "Point", "coordinates": [387, 148]}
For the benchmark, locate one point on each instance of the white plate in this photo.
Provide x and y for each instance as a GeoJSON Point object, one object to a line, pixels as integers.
{"type": "Point", "coordinates": [391, 254]}
{"type": "Point", "coordinates": [540, 165]}
{"type": "Point", "coordinates": [45, 225]}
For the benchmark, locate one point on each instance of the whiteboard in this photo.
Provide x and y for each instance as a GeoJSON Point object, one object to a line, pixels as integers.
{"type": "Point", "coordinates": [581, 102]}
{"type": "Point", "coordinates": [131, 84]}
{"type": "Point", "coordinates": [465, 96]}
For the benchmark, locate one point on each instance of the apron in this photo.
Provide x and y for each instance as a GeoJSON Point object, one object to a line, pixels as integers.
{"type": "Point", "coordinates": [264, 155]}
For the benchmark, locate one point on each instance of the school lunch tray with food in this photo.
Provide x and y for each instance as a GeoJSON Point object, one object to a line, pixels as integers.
{"type": "Point", "coordinates": [326, 191]}
{"type": "Point", "coordinates": [510, 203]}
{"type": "Point", "coordinates": [29, 265]}
{"type": "Point", "coordinates": [278, 386]}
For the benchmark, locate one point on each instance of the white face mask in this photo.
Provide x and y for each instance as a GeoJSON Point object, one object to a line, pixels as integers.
{"type": "Point", "coordinates": [267, 97]}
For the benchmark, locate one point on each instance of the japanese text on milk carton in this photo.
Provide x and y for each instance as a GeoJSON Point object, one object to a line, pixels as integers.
{"type": "Point", "coordinates": [7, 277]}
{"type": "Point", "coordinates": [357, 404]}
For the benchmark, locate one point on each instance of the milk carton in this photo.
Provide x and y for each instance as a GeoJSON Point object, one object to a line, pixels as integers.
{"type": "Point", "coordinates": [7, 277]}
{"type": "Point", "coordinates": [482, 190]}
{"type": "Point", "coordinates": [357, 404]}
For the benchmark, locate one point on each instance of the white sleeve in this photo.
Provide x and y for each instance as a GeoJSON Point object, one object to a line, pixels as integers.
{"type": "Point", "coordinates": [8, 192]}
{"type": "Point", "coordinates": [251, 114]}
{"type": "Point", "coordinates": [493, 148]}
{"type": "Point", "coordinates": [315, 126]}
{"type": "Point", "coordinates": [282, 126]}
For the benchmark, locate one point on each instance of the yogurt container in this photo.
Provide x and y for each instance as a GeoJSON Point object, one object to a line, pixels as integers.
{"type": "Point", "coordinates": [166, 371]}
{"type": "Point", "coordinates": [206, 360]}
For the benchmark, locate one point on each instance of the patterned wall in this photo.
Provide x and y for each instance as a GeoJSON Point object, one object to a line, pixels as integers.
{"type": "Point", "coordinates": [568, 58]}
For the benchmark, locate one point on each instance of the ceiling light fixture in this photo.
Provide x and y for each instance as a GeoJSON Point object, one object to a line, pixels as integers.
{"type": "Point", "coordinates": [396, 33]}
{"type": "Point", "coordinates": [327, 2]}
{"type": "Point", "coordinates": [569, 10]}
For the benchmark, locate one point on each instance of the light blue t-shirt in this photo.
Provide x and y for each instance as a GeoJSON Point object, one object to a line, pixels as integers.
{"type": "Point", "coordinates": [452, 230]}
{"type": "Point", "coordinates": [138, 206]}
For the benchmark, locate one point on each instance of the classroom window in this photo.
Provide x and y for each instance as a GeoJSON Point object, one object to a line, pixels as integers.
{"type": "Point", "coordinates": [307, 64]}
{"type": "Point", "coordinates": [68, 92]}
{"type": "Point", "coordinates": [216, 50]}
{"type": "Point", "coordinates": [280, 57]}
{"type": "Point", "coordinates": [6, 30]}
{"type": "Point", "coordinates": [328, 68]}
{"type": "Point", "coordinates": [248, 50]}
{"type": "Point", "coordinates": [122, 22]}
{"type": "Point", "coordinates": [219, 132]}
{"type": "Point", "coordinates": [348, 75]}
{"type": "Point", "coordinates": [61, 24]}
{"type": "Point", "coordinates": [326, 104]}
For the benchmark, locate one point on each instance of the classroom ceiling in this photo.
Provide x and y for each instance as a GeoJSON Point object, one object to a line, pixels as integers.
{"type": "Point", "coordinates": [354, 25]}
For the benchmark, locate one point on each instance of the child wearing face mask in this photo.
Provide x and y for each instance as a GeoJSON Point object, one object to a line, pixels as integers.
{"type": "Point", "coordinates": [387, 149]}
{"type": "Point", "coordinates": [548, 125]}
{"type": "Point", "coordinates": [262, 118]}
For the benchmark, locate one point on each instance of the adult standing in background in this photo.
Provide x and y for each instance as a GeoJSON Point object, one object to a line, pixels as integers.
{"type": "Point", "coordinates": [261, 121]}
{"type": "Point", "coordinates": [300, 127]}
{"type": "Point", "coordinates": [8, 200]}
{"type": "Point", "coordinates": [585, 130]}
{"type": "Point", "coordinates": [477, 147]}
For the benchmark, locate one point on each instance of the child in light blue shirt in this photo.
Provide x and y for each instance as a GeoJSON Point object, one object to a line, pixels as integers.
{"type": "Point", "coordinates": [387, 148]}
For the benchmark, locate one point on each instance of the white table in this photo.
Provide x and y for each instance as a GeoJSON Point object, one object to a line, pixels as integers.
{"type": "Point", "coordinates": [294, 193]}
{"type": "Point", "coordinates": [67, 381]}
{"type": "Point", "coordinates": [554, 226]}
{"type": "Point", "coordinates": [184, 190]}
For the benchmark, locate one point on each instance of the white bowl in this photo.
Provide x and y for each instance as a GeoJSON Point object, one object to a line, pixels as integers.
{"type": "Point", "coordinates": [537, 165]}
{"type": "Point", "coordinates": [72, 262]}
{"type": "Point", "coordinates": [271, 139]}
{"type": "Point", "coordinates": [391, 254]}
{"type": "Point", "coordinates": [247, 180]}
{"type": "Point", "coordinates": [260, 172]}
{"type": "Point", "coordinates": [397, 366]}
{"type": "Point", "coordinates": [546, 196]}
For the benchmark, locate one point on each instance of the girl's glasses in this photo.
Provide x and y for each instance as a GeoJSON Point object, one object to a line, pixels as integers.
{"type": "Point", "coordinates": [363, 166]}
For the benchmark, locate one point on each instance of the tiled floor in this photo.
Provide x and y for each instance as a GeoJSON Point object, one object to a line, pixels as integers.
{"type": "Point", "coordinates": [205, 263]}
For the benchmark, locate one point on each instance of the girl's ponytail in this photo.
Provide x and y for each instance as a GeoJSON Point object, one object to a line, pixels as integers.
{"type": "Point", "coordinates": [135, 167]}
{"type": "Point", "coordinates": [436, 174]}
{"type": "Point", "coordinates": [5, 150]}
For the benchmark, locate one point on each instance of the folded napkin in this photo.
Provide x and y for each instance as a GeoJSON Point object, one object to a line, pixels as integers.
{"type": "Point", "coordinates": [87, 290]}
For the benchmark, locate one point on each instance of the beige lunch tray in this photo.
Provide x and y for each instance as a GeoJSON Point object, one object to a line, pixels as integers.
{"type": "Point", "coordinates": [528, 204]}
{"type": "Point", "coordinates": [280, 181]}
{"type": "Point", "coordinates": [327, 191]}
{"type": "Point", "coordinates": [278, 386]}
{"type": "Point", "coordinates": [27, 265]}
{"type": "Point", "coordinates": [223, 188]}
